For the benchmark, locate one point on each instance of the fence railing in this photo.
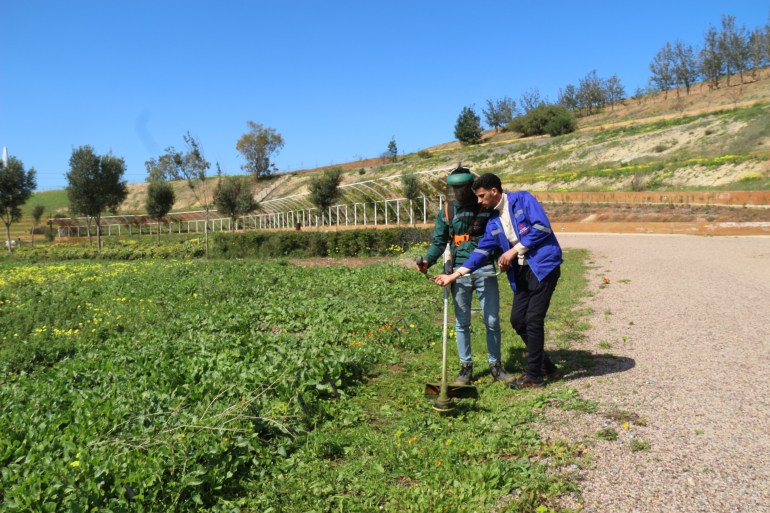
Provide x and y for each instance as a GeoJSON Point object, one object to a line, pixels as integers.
{"type": "Point", "coordinates": [386, 212]}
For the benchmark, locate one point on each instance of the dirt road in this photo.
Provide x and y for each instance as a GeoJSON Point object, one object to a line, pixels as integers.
{"type": "Point", "coordinates": [688, 320]}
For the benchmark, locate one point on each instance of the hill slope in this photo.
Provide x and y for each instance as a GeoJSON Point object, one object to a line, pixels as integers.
{"type": "Point", "coordinates": [708, 140]}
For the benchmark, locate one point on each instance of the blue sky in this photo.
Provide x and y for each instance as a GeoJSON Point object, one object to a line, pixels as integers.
{"type": "Point", "coordinates": [336, 79]}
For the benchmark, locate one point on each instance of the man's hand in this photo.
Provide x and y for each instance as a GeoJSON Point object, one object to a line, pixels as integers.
{"type": "Point", "coordinates": [506, 259]}
{"type": "Point", "coordinates": [445, 279]}
{"type": "Point", "coordinates": [422, 265]}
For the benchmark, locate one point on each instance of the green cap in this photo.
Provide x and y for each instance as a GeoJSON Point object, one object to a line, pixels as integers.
{"type": "Point", "coordinates": [460, 176]}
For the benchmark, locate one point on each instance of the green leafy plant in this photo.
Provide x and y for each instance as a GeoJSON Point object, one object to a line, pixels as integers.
{"type": "Point", "coordinates": [190, 385]}
{"type": "Point", "coordinates": [609, 434]}
{"type": "Point", "coordinates": [603, 344]}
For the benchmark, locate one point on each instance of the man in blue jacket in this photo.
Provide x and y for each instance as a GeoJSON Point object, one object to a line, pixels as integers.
{"type": "Point", "coordinates": [531, 257]}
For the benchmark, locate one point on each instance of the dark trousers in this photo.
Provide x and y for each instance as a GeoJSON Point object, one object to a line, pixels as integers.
{"type": "Point", "coordinates": [530, 304]}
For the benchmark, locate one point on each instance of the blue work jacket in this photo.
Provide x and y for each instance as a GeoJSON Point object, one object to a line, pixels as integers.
{"type": "Point", "coordinates": [533, 229]}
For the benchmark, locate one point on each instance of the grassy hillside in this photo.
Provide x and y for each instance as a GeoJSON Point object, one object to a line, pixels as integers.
{"type": "Point", "coordinates": [53, 201]}
{"type": "Point", "coordinates": [709, 140]}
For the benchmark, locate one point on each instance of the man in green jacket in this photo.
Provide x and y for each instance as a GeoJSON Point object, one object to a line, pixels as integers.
{"type": "Point", "coordinates": [461, 223]}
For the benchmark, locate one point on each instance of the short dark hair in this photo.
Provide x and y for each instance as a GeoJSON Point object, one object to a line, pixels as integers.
{"type": "Point", "coordinates": [488, 181]}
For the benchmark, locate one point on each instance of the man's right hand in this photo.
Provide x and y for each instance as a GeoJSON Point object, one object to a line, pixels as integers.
{"type": "Point", "coordinates": [506, 259]}
{"type": "Point", "coordinates": [422, 265]}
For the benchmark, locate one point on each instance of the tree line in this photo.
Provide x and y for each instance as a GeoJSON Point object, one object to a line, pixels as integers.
{"type": "Point", "coordinates": [95, 183]}
{"type": "Point", "coordinates": [726, 52]}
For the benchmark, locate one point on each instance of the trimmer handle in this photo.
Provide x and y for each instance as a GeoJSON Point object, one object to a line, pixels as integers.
{"type": "Point", "coordinates": [422, 264]}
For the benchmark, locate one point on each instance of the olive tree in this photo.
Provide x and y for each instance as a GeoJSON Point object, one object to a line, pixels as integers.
{"type": "Point", "coordinates": [16, 186]}
{"type": "Point", "coordinates": [190, 166]}
{"type": "Point", "coordinates": [530, 100]}
{"type": "Point", "coordinates": [591, 92]}
{"type": "Point", "coordinates": [324, 189]}
{"type": "Point", "coordinates": [257, 147]}
{"type": "Point", "coordinates": [95, 185]}
{"type": "Point", "coordinates": [614, 90]}
{"type": "Point", "coordinates": [499, 112]}
{"type": "Point", "coordinates": [160, 201]}
{"type": "Point", "coordinates": [685, 65]}
{"type": "Point", "coordinates": [37, 213]}
{"type": "Point", "coordinates": [710, 60]}
{"type": "Point", "coordinates": [734, 46]}
{"type": "Point", "coordinates": [759, 43]}
{"type": "Point", "coordinates": [233, 197]}
{"type": "Point", "coordinates": [662, 69]}
{"type": "Point", "coordinates": [410, 185]}
{"type": "Point", "coordinates": [568, 97]}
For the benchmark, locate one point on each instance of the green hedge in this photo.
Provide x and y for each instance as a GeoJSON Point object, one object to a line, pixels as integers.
{"type": "Point", "coordinates": [345, 243]}
{"type": "Point", "coordinates": [114, 249]}
{"type": "Point", "coordinates": [262, 244]}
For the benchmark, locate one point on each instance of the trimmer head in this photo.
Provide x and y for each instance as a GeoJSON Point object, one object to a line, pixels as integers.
{"type": "Point", "coordinates": [453, 391]}
{"type": "Point", "coordinates": [444, 406]}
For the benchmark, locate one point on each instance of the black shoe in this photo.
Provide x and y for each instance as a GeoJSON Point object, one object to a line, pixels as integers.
{"type": "Point", "coordinates": [466, 373]}
{"type": "Point", "coordinates": [554, 374]}
{"type": "Point", "coordinates": [500, 374]}
{"type": "Point", "coordinates": [527, 382]}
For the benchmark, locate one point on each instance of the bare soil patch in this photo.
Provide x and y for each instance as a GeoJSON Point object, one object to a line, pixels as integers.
{"type": "Point", "coordinates": [677, 198]}
{"type": "Point", "coordinates": [338, 262]}
{"type": "Point", "coordinates": [708, 218]}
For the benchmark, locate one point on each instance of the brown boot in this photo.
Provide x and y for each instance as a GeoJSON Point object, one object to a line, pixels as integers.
{"type": "Point", "coordinates": [527, 382]}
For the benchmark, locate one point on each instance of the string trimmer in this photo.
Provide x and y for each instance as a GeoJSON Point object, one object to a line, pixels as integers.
{"type": "Point", "coordinates": [444, 393]}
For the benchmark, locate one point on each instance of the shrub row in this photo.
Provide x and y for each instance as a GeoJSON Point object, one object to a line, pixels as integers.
{"type": "Point", "coordinates": [262, 244]}
{"type": "Point", "coordinates": [350, 243]}
{"type": "Point", "coordinates": [128, 249]}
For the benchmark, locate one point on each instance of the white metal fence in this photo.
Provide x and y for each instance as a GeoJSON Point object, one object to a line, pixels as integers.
{"type": "Point", "coordinates": [378, 209]}
{"type": "Point", "coordinates": [386, 212]}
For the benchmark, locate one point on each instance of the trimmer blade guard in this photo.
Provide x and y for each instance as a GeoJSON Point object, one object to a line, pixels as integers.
{"type": "Point", "coordinates": [433, 390]}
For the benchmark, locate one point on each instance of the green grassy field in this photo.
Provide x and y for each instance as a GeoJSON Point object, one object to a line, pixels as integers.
{"type": "Point", "coordinates": [163, 385]}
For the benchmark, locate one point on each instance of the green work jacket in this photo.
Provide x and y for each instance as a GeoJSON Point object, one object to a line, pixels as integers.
{"type": "Point", "coordinates": [470, 220]}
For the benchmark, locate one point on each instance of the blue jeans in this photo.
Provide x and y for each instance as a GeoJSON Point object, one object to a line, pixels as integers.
{"type": "Point", "coordinates": [489, 296]}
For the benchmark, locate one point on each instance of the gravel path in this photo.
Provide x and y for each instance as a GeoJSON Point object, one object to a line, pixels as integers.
{"type": "Point", "coordinates": [688, 319]}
